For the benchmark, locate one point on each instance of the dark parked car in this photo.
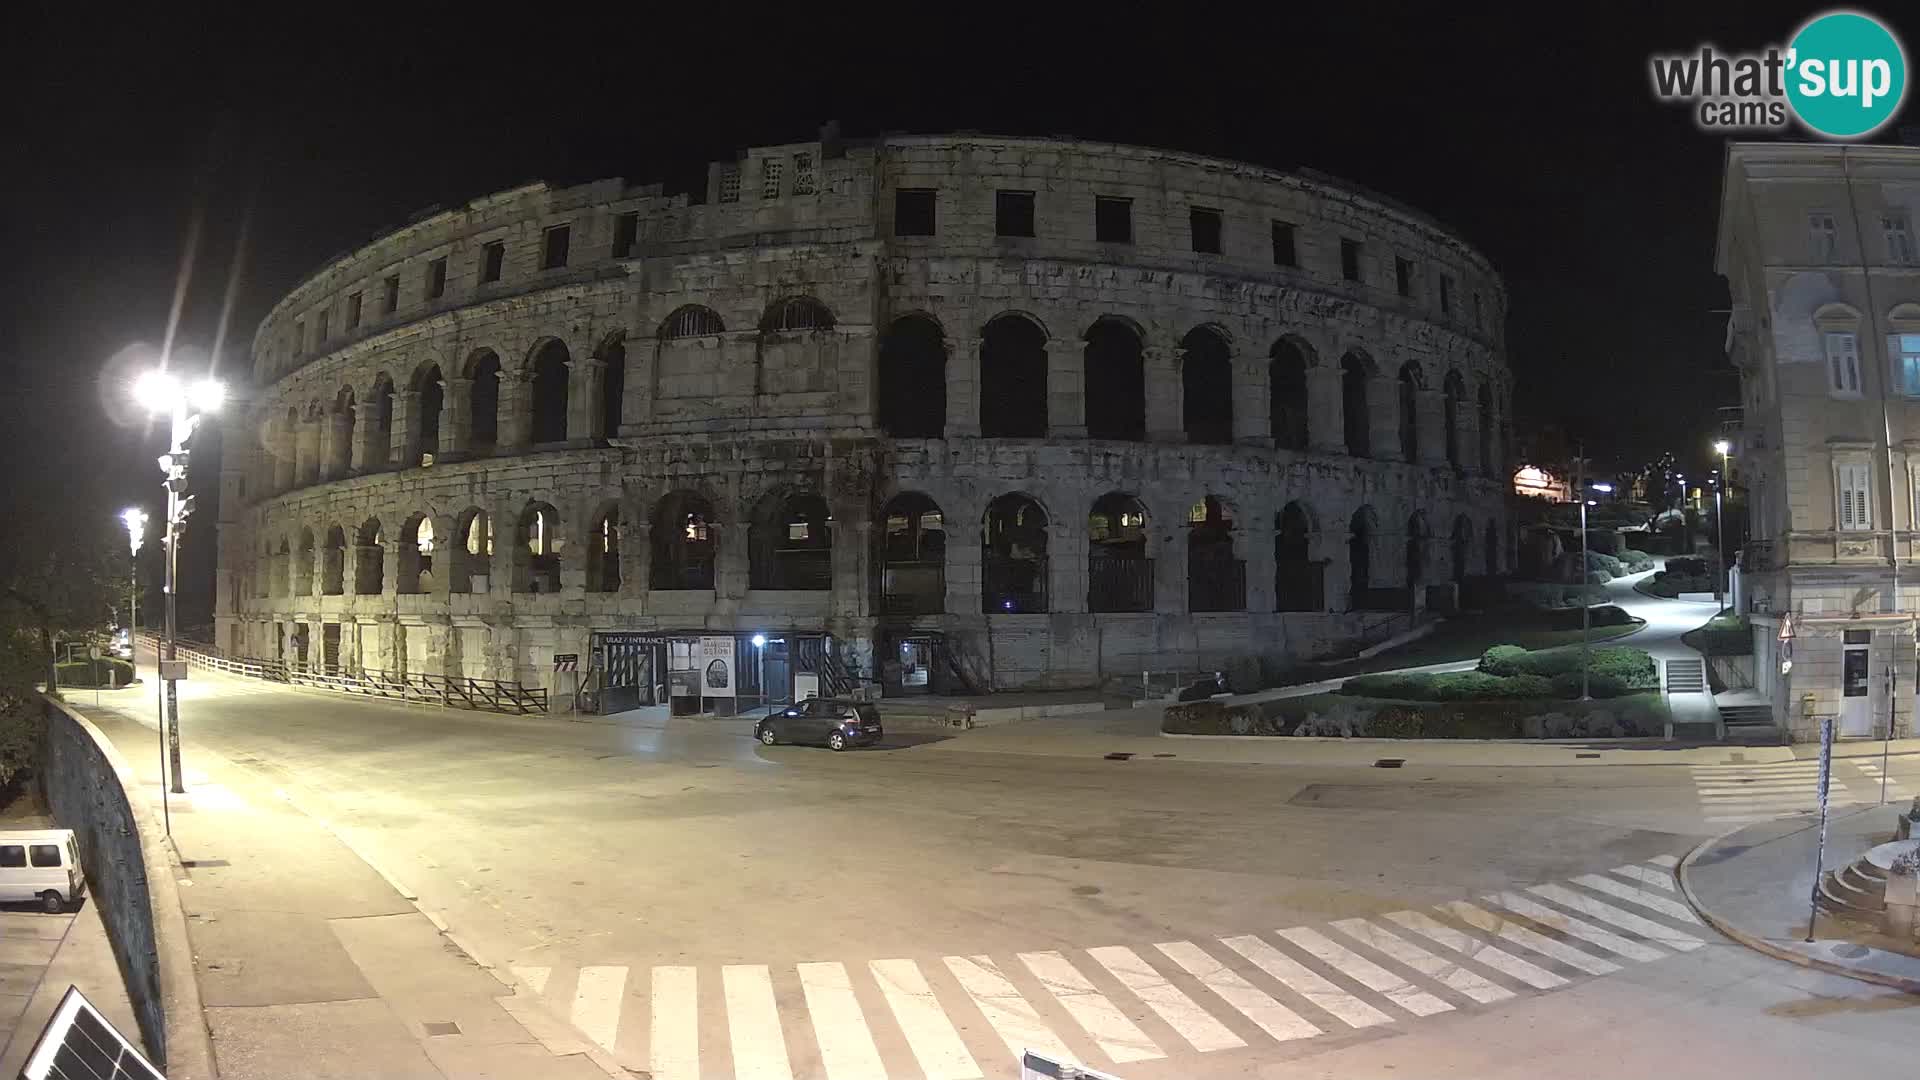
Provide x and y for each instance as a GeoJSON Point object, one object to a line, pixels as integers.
{"type": "Point", "coordinates": [839, 724]}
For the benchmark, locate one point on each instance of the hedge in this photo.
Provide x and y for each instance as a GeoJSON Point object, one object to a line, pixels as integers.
{"type": "Point", "coordinates": [1553, 595]}
{"type": "Point", "coordinates": [1635, 561]}
{"type": "Point", "coordinates": [80, 673]}
{"type": "Point", "coordinates": [1348, 716]}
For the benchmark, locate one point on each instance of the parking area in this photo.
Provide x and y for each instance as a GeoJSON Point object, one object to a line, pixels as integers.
{"type": "Point", "coordinates": [28, 940]}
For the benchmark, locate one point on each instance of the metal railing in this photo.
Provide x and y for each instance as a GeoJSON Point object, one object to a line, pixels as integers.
{"type": "Point", "coordinates": [1216, 584]}
{"type": "Point", "coordinates": [1300, 586]}
{"type": "Point", "coordinates": [450, 691]}
{"type": "Point", "coordinates": [1119, 583]}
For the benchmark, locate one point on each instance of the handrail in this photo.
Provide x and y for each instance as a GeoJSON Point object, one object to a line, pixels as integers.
{"type": "Point", "coordinates": [451, 691]}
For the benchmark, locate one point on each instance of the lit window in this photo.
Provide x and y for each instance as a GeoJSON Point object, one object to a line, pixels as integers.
{"type": "Point", "coordinates": [423, 537]}
{"type": "Point", "coordinates": [606, 534]}
{"type": "Point", "coordinates": [1906, 361]}
{"type": "Point", "coordinates": [798, 530]}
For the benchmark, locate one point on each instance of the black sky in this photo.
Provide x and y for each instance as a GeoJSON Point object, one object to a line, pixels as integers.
{"type": "Point", "coordinates": [1531, 132]}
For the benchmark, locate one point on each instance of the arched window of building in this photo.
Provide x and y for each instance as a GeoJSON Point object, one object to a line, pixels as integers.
{"type": "Point", "coordinates": [1455, 389]}
{"type": "Point", "coordinates": [684, 543]}
{"type": "Point", "coordinates": [1287, 394]}
{"type": "Point", "coordinates": [1355, 372]}
{"type": "Point", "coordinates": [1410, 411]}
{"type": "Point", "coordinates": [1216, 579]}
{"type": "Point", "coordinates": [1206, 381]}
{"type": "Point", "coordinates": [1486, 429]}
{"type": "Point", "coordinates": [913, 556]}
{"type": "Point", "coordinates": [471, 556]}
{"type": "Point", "coordinates": [370, 559]}
{"type": "Point", "coordinates": [550, 393]}
{"type": "Point", "coordinates": [536, 550]}
{"type": "Point", "coordinates": [483, 401]}
{"type": "Point", "coordinates": [1013, 379]}
{"type": "Point", "coordinates": [1299, 582]}
{"type": "Point", "coordinates": [1493, 549]}
{"type": "Point", "coordinates": [303, 565]}
{"type": "Point", "coordinates": [603, 551]}
{"type": "Point", "coordinates": [1361, 532]}
{"type": "Point", "coordinates": [790, 544]}
{"type": "Point", "coordinates": [280, 573]}
{"type": "Point", "coordinates": [1014, 557]}
{"type": "Point", "coordinates": [416, 555]}
{"type": "Point", "coordinates": [913, 379]}
{"type": "Point", "coordinates": [333, 563]}
{"type": "Point", "coordinates": [380, 430]}
{"type": "Point", "coordinates": [1116, 381]}
{"type": "Point", "coordinates": [1119, 573]}
{"type": "Point", "coordinates": [343, 424]}
{"type": "Point", "coordinates": [795, 314]}
{"type": "Point", "coordinates": [691, 320]}
{"type": "Point", "coordinates": [1416, 549]}
{"type": "Point", "coordinates": [613, 385]}
{"type": "Point", "coordinates": [1462, 552]}
{"type": "Point", "coordinates": [429, 399]}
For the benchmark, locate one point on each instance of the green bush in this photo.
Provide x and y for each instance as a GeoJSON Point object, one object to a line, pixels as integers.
{"type": "Point", "coordinates": [81, 673]}
{"type": "Point", "coordinates": [1603, 615]}
{"type": "Point", "coordinates": [1599, 562]}
{"type": "Point", "coordinates": [1197, 718]}
{"type": "Point", "coordinates": [1635, 561]}
{"type": "Point", "coordinates": [1390, 685]}
{"type": "Point", "coordinates": [1549, 595]}
{"type": "Point", "coordinates": [1599, 684]}
{"type": "Point", "coordinates": [1504, 660]}
{"type": "Point", "coordinates": [1689, 566]}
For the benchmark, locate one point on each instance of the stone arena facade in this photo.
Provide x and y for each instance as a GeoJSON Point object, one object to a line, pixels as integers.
{"type": "Point", "coordinates": [943, 412]}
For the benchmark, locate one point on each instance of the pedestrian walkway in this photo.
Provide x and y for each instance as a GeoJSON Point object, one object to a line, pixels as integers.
{"type": "Point", "coordinates": [1742, 794]}
{"type": "Point", "coordinates": [41, 956]}
{"type": "Point", "coordinates": [1114, 1005]}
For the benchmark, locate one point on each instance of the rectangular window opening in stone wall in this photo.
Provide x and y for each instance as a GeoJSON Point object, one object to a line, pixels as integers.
{"type": "Point", "coordinates": [493, 259]}
{"type": "Point", "coordinates": [391, 302]}
{"type": "Point", "coordinates": [770, 178]}
{"type": "Point", "coordinates": [353, 311]}
{"type": "Point", "coordinates": [626, 231]}
{"type": "Point", "coordinates": [1112, 219]}
{"type": "Point", "coordinates": [1823, 238]}
{"type": "Point", "coordinates": [1204, 224]}
{"type": "Point", "coordinates": [1013, 213]}
{"type": "Point", "coordinates": [913, 212]}
{"type": "Point", "coordinates": [730, 184]}
{"type": "Point", "coordinates": [554, 245]}
{"type": "Point", "coordinates": [299, 336]}
{"type": "Point", "coordinates": [1898, 230]}
{"type": "Point", "coordinates": [1350, 259]}
{"type": "Point", "coordinates": [803, 174]}
{"type": "Point", "coordinates": [1446, 294]}
{"type": "Point", "coordinates": [1403, 276]}
{"type": "Point", "coordinates": [437, 278]}
{"type": "Point", "coordinates": [1283, 251]}
{"type": "Point", "coordinates": [321, 331]}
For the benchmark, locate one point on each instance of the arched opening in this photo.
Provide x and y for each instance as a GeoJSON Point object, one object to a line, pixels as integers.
{"type": "Point", "coordinates": [1354, 375]}
{"type": "Point", "coordinates": [472, 554]}
{"type": "Point", "coordinates": [1216, 580]}
{"type": "Point", "coordinates": [1287, 394]}
{"type": "Point", "coordinates": [1119, 573]}
{"type": "Point", "coordinates": [795, 314]}
{"type": "Point", "coordinates": [1206, 382]}
{"type": "Point", "coordinates": [1486, 429]}
{"type": "Point", "coordinates": [333, 563]}
{"type": "Point", "coordinates": [913, 379]}
{"type": "Point", "coordinates": [1360, 536]}
{"type": "Point", "coordinates": [342, 420]}
{"type": "Point", "coordinates": [1014, 557]}
{"type": "Point", "coordinates": [1299, 582]}
{"type": "Point", "coordinates": [1493, 549]}
{"type": "Point", "coordinates": [1462, 552]}
{"type": "Point", "coordinates": [1409, 412]}
{"type": "Point", "coordinates": [303, 565]}
{"type": "Point", "coordinates": [683, 543]}
{"type": "Point", "coordinates": [913, 556]}
{"type": "Point", "coordinates": [613, 387]}
{"type": "Point", "coordinates": [1013, 379]}
{"type": "Point", "coordinates": [370, 562]}
{"type": "Point", "coordinates": [280, 574]}
{"type": "Point", "coordinates": [290, 446]}
{"type": "Point", "coordinates": [380, 430]}
{"type": "Point", "coordinates": [429, 398]}
{"type": "Point", "coordinates": [690, 320]}
{"type": "Point", "coordinates": [1115, 372]}
{"type": "Point", "coordinates": [1455, 390]}
{"type": "Point", "coordinates": [536, 550]}
{"type": "Point", "coordinates": [416, 555]}
{"type": "Point", "coordinates": [550, 393]}
{"type": "Point", "coordinates": [603, 552]}
{"type": "Point", "coordinates": [1416, 549]}
{"type": "Point", "coordinates": [483, 402]}
{"type": "Point", "coordinates": [790, 544]}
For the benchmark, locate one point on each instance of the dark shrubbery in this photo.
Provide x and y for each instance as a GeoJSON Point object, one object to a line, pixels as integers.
{"type": "Point", "coordinates": [81, 673]}
{"type": "Point", "coordinates": [1508, 672]}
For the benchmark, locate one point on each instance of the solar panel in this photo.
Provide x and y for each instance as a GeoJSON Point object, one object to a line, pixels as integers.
{"type": "Point", "coordinates": [80, 1044]}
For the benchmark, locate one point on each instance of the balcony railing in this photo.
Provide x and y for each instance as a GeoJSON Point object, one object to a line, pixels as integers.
{"type": "Point", "coordinates": [1123, 583]}
{"type": "Point", "coordinates": [1300, 586]}
{"type": "Point", "coordinates": [1216, 584]}
{"type": "Point", "coordinates": [1011, 586]}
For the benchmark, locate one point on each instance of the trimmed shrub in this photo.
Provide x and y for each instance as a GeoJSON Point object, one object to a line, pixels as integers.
{"type": "Point", "coordinates": [1196, 718]}
{"type": "Point", "coordinates": [81, 673]}
{"type": "Point", "coordinates": [1243, 675]}
{"type": "Point", "coordinates": [1689, 565]}
{"type": "Point", "coordinates": [1504, 660]}
{"type": "Point", "coordinates": [1599, 684]}
{"type": "Point", "coordinates": [1549, 595]}
{"type": "Point", "coordinates": [1635, 561]}
{"type": "Point", "coordinates": [1390, 685]}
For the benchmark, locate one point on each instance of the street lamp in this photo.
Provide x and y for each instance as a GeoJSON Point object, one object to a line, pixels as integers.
{"type": "Point", "coordinates": [1586, 611]}
{"type": "Point", "coordinates": [1720, 447]}
{"type": "Point", "coordinates": [759, 642]}
{"type": "Point", "coordinates": [160, 391]}
{"type": "Point", "coordinates": [136, 522]}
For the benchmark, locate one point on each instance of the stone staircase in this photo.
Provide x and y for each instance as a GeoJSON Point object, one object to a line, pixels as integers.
{"type": "Point", "coordinates": [1859, 889]}
{"type": "Point", "coordinates": [1747, 722]}
{"type": "Point", "coordinates": [1686, 676]}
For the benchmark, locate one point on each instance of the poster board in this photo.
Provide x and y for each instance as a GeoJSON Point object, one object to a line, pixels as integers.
{"type": "Point", "coordinates": [716, 667]}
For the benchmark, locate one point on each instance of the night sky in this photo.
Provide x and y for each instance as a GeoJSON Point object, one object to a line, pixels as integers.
{"type": "Point", "coordinates": [1534, 136]}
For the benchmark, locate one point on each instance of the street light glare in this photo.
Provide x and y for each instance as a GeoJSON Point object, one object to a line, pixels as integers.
{"type": "Point", "coordinates": [1603, 487]}
{"type": "Point", "coordinates": [208, 395]}
{"type": "Point", "coordinates": [134, 517]}
{"type": "Point", "coordinates": [156, 391]}
{"type": "Point", "coordinates": [1721, 447]}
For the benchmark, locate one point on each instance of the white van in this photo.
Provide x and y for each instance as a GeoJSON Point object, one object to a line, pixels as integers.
{"type": "Point", "coordinates": [43, 865]}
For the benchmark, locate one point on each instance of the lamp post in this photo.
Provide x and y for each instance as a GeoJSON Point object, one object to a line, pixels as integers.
{"type": "Point", "coordinates": [1720, 447]}
{"type": "Point", "coordinates": [159, 391]}
{"type": "Point", "coordinates": [1586, 610]}
{"type": "Point", "coordinates": [759, 642]}
{"type": "Point", "coordinates": [136, 522]}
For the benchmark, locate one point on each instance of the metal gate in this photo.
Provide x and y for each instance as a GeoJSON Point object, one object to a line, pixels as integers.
{"type": "Point", "coordinates": [330, 648]}
{"type": "Point", "coordinates": [628, 669]}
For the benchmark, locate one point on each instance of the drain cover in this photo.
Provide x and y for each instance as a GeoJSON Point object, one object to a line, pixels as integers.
{"type": "Point", "coordinates": [441, 1027]}
{"type": "Point", "coordinates": [1120, 755]}
{"type": "Point", "coordinates": [1389, 763]}
{"type": "Point", "coordinates": [1163, 755]}
{"type": "Point", "coordinates": [1586, 755]}
{"type": "Point", "coordinates": [1850, 951]}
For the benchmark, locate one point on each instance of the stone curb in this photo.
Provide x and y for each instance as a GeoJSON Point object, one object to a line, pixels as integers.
{"type": "Point", "coordinates": [189, 1043]}
{"type": "Point", "coordinates": [1761, 945]}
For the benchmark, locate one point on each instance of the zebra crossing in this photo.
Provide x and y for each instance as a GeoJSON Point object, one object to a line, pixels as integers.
{"type": "Point", "coordinates": [1110, 1006]}
{"type": "Point", "coordinates": [1743, 794]}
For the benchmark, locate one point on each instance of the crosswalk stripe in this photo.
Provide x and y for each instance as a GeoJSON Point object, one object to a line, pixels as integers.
{"type": "Point", "coordinates": [1249, 1000]}
{"type": "Point", "coordinates": [1754, 789]}
{"type": "Point", "coordinates": [1668, 861]}
{"type": "Point", "coordinates": [674, 1038]}
{"type": "Point", "coordinates": [1625, 920]}
{"type": "Point", "coordinates": [1659, 879]}
{"type": "Point", "coordinates": [753, 1023]}
{"type": "Point", "coordinates": [1119, 1037]}
{"type": "Point", "coordinates": [1365, 972]}
{"type": "Point", "coordinates": [846, 1046]}
{"type": "Point", "coordinates": [1445, 972]}
{"type": "Point", "coordinates": [534, 977]}
{"type": "Point", "coordinates": [1578, 928]}
{"type": "Point", "coordinates": [1506, 929]}
{"type": "Point", "coordinates": [1192, 1022]}
{"type": "Point", "coordinates": [1298, 978]}
{"type": "Point", "coordinates": [930, 1035]}
{"type": "Point", "coordinates": [1011, 1015]}
{"type": "Point", "coordinates": [1496, 958]}
{"type": "Point", "coordinates": [1672, 909]}
{"type": "Point", "coordinates": [597, 1001]}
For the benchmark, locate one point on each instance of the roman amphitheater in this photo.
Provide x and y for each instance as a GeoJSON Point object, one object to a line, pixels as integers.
{"type": "Point", "coordinates": [937, 413]}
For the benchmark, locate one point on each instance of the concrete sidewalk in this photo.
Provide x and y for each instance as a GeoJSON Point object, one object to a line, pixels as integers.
{"type": "Point", "coordinates": [311, 963]}
{"type": "Point", "coordinates": [1754, 885]}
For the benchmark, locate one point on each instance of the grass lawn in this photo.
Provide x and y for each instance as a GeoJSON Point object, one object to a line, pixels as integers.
{"type": "Point", "coordinates": [1465, 637]}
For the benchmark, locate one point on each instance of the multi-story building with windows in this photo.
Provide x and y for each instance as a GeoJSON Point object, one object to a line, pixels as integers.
{"type": "Point", "coordinates": [1816, 244]}
{"type": "Point", "coordinates": [994, 412]}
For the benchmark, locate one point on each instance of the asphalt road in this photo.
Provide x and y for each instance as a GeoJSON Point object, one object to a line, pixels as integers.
{"type": "Point", "coordinates": [1157, 918]}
